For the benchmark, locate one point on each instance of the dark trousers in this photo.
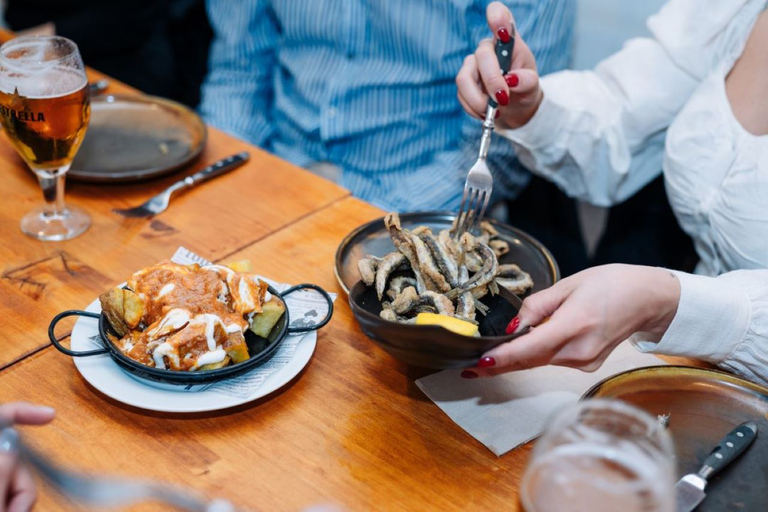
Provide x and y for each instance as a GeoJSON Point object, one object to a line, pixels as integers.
{"type": "Point", "coordinates": [642, 230]}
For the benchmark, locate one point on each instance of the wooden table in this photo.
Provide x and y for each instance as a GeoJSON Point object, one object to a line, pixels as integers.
{"type": "Point", "coordinates": [352, 429]}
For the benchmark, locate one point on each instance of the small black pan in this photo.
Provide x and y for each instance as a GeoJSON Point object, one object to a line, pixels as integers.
{"type": "Point", "coordinates": [259, 348]}
{"type": "Point", "coordinates": [431, 346]}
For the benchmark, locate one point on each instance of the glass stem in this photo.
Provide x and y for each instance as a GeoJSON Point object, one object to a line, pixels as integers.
{"type": "Point", "coordinates": [52, 183]}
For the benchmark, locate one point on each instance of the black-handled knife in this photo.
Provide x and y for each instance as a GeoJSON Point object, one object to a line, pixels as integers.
{"type": "Point", "coordinates": [689, 491]}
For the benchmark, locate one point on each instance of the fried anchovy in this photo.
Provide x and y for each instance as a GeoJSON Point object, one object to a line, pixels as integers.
{"type": "Point", "coordinates": [474, 262]}
{"type": "Point", "coordinates": [429, 266]}
{"type": "Point", "coordinates": [500, 247]}
{"type": "Point", "coordinates": [477, 294]}
{"type": "Point", "coordinates": [493, 288]}
{"type": "Point", "coordinates": [487, 229]}
{"type": "Point", "coordinates": [403, 244]}
{"type": "Point", "coordinates": [442, 258]}
{"type": "Point", "coordinates": [463, 274]}
{"type": "Point", "coordinates": [388, 314]}
{"type": "Point", "coordinates": [406, 301]}
{"type": "Point", "coordinates": [486, 273]}
{"type": "Point", "coordinates": [451, 246]}
{"type": "Point", "coordinates": [367, 267]}
{"type": "Point", "coordinates": [387, 265]}
{"type": "Point", "coordinates": [465, 309]}
{"type": "Point", "coordinates": [442, 303]}
{"type": "Point", "coordinates": [409, 301]}
{"type": "Point", "coordinates": [514, 279]}
{"type": "Point", "coordinates": [398, 284]}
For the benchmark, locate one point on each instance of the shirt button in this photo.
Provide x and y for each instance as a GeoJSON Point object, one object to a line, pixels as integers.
{"type": "Point", "coordinates": [332, 112]}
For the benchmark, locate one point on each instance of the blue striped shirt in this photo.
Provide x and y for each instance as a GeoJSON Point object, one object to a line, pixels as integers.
{"type": "Point", "coordinates": [369, 85]}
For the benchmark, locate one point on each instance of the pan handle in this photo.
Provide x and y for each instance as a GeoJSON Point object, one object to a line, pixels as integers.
{"type": "Point", "coordinates": [321, 323]}
{"type": "Point", "coordinates": [59, 346]}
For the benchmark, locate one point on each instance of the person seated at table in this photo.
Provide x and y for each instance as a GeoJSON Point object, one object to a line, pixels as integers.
{"type": "Point", "coordinates": [363, 93]}
{"type": "Point", "coordinates": [17, 487]}
{"type": "Point", "coordinates": [690, 99]}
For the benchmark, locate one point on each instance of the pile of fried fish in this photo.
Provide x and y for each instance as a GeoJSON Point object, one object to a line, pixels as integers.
{"type": "Point", "coordinates": [440, 273]}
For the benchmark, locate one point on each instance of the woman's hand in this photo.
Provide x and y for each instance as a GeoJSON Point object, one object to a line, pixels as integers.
{"type": "Point", "coordinates": [518, 93]}
{"type": "Point", "coordinates": [17, 487]}
{"type": "Point", "coordinates": [581, 319]}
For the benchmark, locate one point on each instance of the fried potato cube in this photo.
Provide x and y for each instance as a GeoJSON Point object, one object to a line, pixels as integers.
{"type": "Point", "coordinates": [241, 266]}
{"type": "Point", "coordinates": [262, 323]}
{"type": "Point", "coordinates": [123, 308]}
{"type": "Point", "coordinates": [236, 348]}
{"type": "Point", "coordinates": [215, 366]}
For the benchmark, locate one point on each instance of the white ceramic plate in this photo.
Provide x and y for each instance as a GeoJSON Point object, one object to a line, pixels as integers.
{"type": "Point", "coordinates": [106, 376]}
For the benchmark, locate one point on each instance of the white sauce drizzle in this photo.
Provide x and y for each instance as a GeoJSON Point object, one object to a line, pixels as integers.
{"type": "Point", "coordinates": [214, 356]}
{"type": "Point", "coordinates": [166, 289]}
{"type": "Point", "coordinates": [168, 351]}
{"type": "Point", "coordinates": [173, 320]}
{"type": "Point", "coordinates": [245, 296]}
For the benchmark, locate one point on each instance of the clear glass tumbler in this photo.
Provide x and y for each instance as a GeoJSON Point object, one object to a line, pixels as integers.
{"type": "Point", "coordinates": [45, 109]}
{"type": "Point", "coordinates": [601, 456]}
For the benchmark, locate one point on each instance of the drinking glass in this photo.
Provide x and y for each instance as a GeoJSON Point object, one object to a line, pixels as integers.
{"type": "Point", "coordinates": [44, 109]}
{"type": "Point", "coordinates": [601, 455]}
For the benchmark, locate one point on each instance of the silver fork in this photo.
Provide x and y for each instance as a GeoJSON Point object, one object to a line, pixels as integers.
{"type": "Point", "coordinates": [479, 184]}
{"type": "Point", "coordinates": [107, 492]}
{"type": "Point", "coordinates": [159, 203]}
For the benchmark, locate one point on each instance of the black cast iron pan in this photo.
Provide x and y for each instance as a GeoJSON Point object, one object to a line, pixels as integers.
{"type": "Point", "coordinates": [260, 349]}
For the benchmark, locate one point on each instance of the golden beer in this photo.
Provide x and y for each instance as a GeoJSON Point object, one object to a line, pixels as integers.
{"type": "Point", "coordinates": [46, 131]}
{"type": "Point", "coordinates": [45, 109]}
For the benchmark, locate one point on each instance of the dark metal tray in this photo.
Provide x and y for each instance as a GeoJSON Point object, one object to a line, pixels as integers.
{"type": "Point", "coordinates": [704, 405]}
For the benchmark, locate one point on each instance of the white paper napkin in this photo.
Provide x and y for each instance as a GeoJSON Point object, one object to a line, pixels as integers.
{"type": "Point", "coordinates": [508, 410]}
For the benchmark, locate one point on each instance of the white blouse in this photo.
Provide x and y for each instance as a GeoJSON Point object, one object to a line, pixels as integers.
{"type": "Point", "coordinates": [660, 103]}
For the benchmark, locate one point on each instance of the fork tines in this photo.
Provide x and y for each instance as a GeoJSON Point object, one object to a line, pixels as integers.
{"type": "Point", "coordinates": [476, 201]}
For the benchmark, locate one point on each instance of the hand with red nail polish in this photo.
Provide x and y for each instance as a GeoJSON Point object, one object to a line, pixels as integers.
{"type": "Point", "coordinates": [502, 97]}
{"type": "Point", "coordinates": [518, 94]}
{"type": "Point", "coordinates": [513, 325]}
{"type": "Point", "coordinates": [579, 320]}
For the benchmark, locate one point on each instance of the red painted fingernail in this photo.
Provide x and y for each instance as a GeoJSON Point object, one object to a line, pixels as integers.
{"type": "Point", "coordinates": [469, 374]}
{"type": "Point", "coordinates": [513, 325]}
{"type": "Point", "coordinates": [503, 35]}
{"type": "Point", "coordinates": [501, 97]}
{"type": "Point", "coordinates": [486, 362]}
{"type": "Point", "coordinates": [512, 80]}
{"type": "Point", "coordinates": [498, 113]}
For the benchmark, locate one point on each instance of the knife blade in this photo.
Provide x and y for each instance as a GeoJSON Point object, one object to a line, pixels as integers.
{"type": "Point", "coordinates": [689, 490]}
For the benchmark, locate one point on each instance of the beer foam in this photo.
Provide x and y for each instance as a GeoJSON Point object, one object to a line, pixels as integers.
{"type": "Point", "coordinates": [51, 83]}
{"type": "Point", "coordinates": [30, 70]}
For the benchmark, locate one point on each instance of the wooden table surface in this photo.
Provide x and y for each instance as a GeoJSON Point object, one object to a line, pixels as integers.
{"type": "Point", "coordinates": [351, 429]}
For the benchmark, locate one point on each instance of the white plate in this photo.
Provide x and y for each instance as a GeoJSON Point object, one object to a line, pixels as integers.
{"type": "Point", "coordinates": [106, 376]}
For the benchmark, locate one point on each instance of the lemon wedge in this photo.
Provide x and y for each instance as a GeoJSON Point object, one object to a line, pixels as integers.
{"type": "Point", "coordinates": [447, 322]}
{"type": "Point", "coordinates": [241, 266]}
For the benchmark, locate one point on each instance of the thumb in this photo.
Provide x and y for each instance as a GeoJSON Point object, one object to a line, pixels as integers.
{"type": "Point", "coordinates": [537, 308]}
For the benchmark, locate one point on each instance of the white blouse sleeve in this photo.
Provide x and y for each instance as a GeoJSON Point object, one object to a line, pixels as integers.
{"type": "Point", "coordinates": [599, 135]}
{"type": "Point", "coordinates": [722, 320]}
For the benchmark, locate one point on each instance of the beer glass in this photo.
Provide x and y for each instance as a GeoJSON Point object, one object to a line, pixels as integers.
{"type": "Point", "coordinates": [44, 109]}
{"type": "Point", "coordinates": [601, 456]}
